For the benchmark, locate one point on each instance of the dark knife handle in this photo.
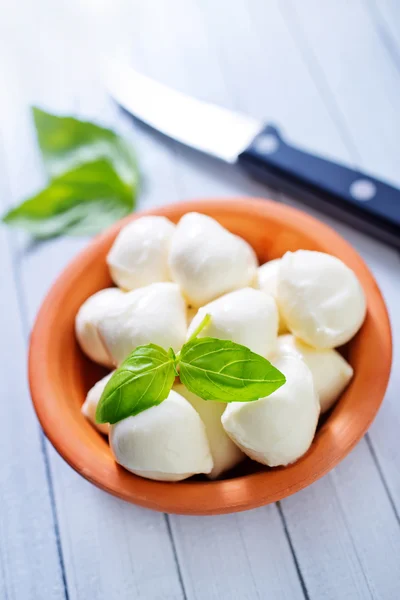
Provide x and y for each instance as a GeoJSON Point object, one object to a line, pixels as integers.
{"type": "Point", "coordinates": [353, 196]}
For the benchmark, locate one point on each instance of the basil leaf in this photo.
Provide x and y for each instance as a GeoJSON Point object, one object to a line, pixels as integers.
{"type": "Point", "coordinates": [143, 380]}
{"type": "Point", "coordinates": [227, 372]}
{"type": "Point", "coordinates": [81, 202]}
{"type": "Point", "coordinates": [66, 142]}
{"type": "Point", "coordinates": [93, 183]}
{"type": "Point", "coordinates": [203, 323]}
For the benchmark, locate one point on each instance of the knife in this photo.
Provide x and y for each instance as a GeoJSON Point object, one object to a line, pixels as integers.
{"type": "Point", "coordinates": [355, 197]}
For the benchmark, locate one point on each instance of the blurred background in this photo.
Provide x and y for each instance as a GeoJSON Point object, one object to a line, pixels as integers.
{"type": "Point", "coordinates": [328, 74]}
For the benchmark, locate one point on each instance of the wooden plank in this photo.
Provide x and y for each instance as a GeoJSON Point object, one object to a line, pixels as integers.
{"type": "Point", "coordinates": [324, 546]}
{"type": "Point", "coordinates": [111, 549]}
{"type": "Point", "coordinates": [192, 175]}
{"type": "Point", "coordinates": [364, 84]}
{"type": "Point", "coordinates": [198, 570]}
{"type": "Point", "coordinates": [219, 559]}
{"type": "Point", "coordinates": [385, 15]}
{"type": "Point", "coordinates": [356, 570]}
{"type": "Point", "coordinates": [349, 525]}
{"type": "Point", "coordinates": [390, 10]}
{"type": "Point", "coordinates": [267, 75]}
{"type": "Point", "coordinates": [370, 114]}
{"type": "Point", "coordinates": [351, 570]}
{"type": "Point", "coordinates": [247, 556]}
{"type": "Point", "coordinates": [30, 564]}
{"type": "Point", "coordinates": [188, 63]}
{"type": "Point", "coordinates": [355, 478]}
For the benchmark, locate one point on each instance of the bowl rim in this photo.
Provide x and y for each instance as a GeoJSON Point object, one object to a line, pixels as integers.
{"type": "Point", "coordinates": [192, 496]}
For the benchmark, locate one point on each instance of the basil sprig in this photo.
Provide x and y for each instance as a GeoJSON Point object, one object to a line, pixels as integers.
{"type": "Point", "coordinates": [93, 179]}
{"type": "Point", "coordinates": [82, 201]}
{"type": "Point", "coordinates": [66, 142]}
{"type": "Point", "coordinates": [143, 380]}
{"type": "Point", "coordinates": [213, 369]}
{"type": "Point", "coordinates": [227, 372]}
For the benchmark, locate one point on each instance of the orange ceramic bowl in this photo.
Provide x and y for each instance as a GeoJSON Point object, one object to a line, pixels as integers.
{"type": "Point", "coordinates": [60, 375]}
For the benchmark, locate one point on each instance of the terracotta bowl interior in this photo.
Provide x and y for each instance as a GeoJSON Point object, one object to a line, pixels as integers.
{"type": "Point", "coordinates": [60, 375]}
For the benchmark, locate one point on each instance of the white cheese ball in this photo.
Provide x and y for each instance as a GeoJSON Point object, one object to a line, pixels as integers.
{"type": "Point", "coordinates": [208, 261]}
{"type": "Point", "coordinates": [92, 399]}
{"type": "Point", "coordinates": [267, 282]}
{"type": "Point", "coordinates": [248, 317]}
{"type": "Point", "coordinates": [155, 314]}
{"type": "Point", "coordinates": [139, 255]}
{"type": "Point", "coordinates": [320, 298]}
{"type": "Point", "coordinates": [331, 372]}
{"type": "Point", "coordinates": [86, 323]}
{"type": "Point", "coordinates": [278, 429]}
{"type": "Point", "coordinates": [167, 442]}
{"type": "Point", "coordinates": [224, 452]}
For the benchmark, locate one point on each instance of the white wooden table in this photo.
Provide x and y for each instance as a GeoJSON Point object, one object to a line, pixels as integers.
{"type": "Point", "coordinates": [329, 74]}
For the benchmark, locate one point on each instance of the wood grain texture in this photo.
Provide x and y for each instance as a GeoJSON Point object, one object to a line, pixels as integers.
{"type": "Point", "coordinates": [110, 549]}
{"type": "Point", "coordinates": [356, 98]}
{"type": "Point", "coordinates": [29, 559]}
{"type": "Point", "coordinates": [357, 73]}
{"type": "Point", "coordinates": [200, 176]}
{"type": "Point", "coordinates": [321, 71]}
{"type": "Point", "coordinates": [271, 42]}
{"type": "Point", "coordinates": [385, 15]}
{"type": "Point", "coordinates": [247, 557]}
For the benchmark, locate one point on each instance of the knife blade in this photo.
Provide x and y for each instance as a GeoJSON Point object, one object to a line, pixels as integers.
{"type": "Point", "coordinates": [357, 198]}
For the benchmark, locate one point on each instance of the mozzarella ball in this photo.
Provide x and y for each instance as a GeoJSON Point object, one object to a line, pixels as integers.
{"type": "Point", "coordinates": [167, 442]}
{"type": "Point", "coordinates": [331, 372]}
{"type": "Point", "coordinates": [92, 399]}
{"type": "Point", "coordinates": [320, 298]}
{"type": "Point", "coordinates": [86, 323]}
{"type": "Point", "coordinates": [247, 316]}
{"type": "Point", "coordinates": [278, 429]}
{"type": "Point", "coordinates": [267, 282]}
{"type": "Point", "coordinates": [224, 452]}
{"type": "Point", "coordinates": [155, 314]}
{"type": "Point", "coordinates": [208, 261]}
{"type": "Point", "coordinates": [139, 255]}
